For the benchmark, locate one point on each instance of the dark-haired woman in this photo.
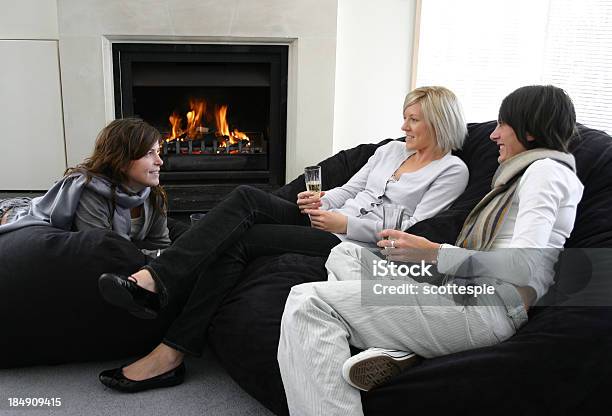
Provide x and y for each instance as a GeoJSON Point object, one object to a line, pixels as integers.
{"type": "Point", "coordinates": [116, 188]}
{"type": "Point", "coordinates": [508, 246]}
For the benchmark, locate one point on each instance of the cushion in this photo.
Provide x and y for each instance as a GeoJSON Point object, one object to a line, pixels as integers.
{"type": "Point", "coordinates": [556, 364]}
{"type": "Point", "coordinates": [245, 331]}
{"type": "Point", "coordinates": [593, 152]}
{"type": "Point", "coordinates": [52, 311]}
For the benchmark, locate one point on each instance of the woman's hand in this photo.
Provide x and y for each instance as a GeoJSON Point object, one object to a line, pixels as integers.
{"type": "Point", "coordinates": [309, 200]}
{"type": "Point", "coordinates": [331, 221]}
{"type": "Point", "coordinates": [408, 247]}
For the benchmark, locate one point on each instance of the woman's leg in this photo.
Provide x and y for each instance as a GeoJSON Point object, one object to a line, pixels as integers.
{"type": "Point", "coordinates": [217, 232]}
{"type": "Point", "coordinates": [188, 331]}
{"type": "Point", "coordinates": [187, 334]}
{"type": "Point", "coordinates": [322, 319]}
{"type": "Point", "coordinates": [159, 361]}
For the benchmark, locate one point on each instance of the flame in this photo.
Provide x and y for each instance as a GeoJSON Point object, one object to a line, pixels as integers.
{"type": "Point", "coordinates": [240, 136]}
{"type": "Point", "coordinates": [175, 121]}
{"type": "Point", "coordinates": [223, 128]}
{"type": "Point", "coordinates": [221, 120]}
{"type": "Point", "coordinates": [195, 128]}
{"type": "Point", "coordinates": [194, 117]}
{"type": "Point", "coordinates": [194, 121]}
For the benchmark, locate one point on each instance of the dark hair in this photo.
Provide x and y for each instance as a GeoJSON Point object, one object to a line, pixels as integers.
{"type": "Point", "coordinates": [117, 145]}
{"type": "Point", "coordinates": [545, 112]}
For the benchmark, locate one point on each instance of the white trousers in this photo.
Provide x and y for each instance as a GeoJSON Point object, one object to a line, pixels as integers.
{"type": "Point", "coordinates": [322, 319]}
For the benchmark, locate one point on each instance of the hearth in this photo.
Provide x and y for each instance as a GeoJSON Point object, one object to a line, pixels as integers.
{"type": "Point", "coordinates": [220, 108]}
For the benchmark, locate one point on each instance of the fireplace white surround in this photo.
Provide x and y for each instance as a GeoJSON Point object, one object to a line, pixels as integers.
{"type": "Point", "coordinates": [349, 66]}
{"type": "Point", "coordinates": [309, 28]}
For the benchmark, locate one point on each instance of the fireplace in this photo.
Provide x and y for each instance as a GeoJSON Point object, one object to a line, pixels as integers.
{"type": "Point", "coordinates": [221, 109]}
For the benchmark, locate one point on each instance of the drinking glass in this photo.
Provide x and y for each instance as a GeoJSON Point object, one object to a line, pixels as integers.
{"type": "Point", "coordinates": [393, 216]}
{"type": "Point", "coordinates": [392, 220]}
{"type": "Point", "coordinates": [312, 176]}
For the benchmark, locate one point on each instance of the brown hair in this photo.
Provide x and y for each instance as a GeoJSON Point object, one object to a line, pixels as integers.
{"type": "Point", "coordinates": [117, 145]}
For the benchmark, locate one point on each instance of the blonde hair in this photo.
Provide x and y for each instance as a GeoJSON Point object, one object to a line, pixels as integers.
{"type": "Point", "coordinates": [443, 113]}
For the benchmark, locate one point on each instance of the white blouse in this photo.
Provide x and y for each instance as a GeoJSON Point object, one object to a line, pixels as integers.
{"type": "Point", "coordinates": [423, 193]}
{"type": "Point", "coordinates": [534, 231]}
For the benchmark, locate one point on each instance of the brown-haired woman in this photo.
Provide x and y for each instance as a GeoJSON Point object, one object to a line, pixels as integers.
{"type": "Point", "coordinates": [117, 188]}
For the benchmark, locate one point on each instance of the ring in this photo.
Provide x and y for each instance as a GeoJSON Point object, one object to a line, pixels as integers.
{"type": "Point", "coordinates": [392, 243]}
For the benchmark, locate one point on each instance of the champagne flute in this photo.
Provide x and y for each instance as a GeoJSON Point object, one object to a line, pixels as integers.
{"type": "Point", "coordinates": [312, 176]}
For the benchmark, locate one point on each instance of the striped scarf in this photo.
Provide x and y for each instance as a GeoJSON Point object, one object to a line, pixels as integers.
{"type": "Point", "coordinates": [484, 222]}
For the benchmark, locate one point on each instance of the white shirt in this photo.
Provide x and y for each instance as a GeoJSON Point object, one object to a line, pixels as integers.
{"type": "Point", "coordinates": [540, 219]}
{"type": "Point", "coordinates": [423, 193]}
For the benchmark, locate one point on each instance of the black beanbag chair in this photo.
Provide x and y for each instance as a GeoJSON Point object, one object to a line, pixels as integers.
{"type": "Point", "coordinates": [49, 301]}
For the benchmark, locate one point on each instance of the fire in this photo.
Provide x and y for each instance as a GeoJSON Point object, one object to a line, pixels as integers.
{"type": "Point", "coordinates": [223, 128]}
{"type": "Point", "coordinates": [190, 117]}
{"type": "Point", "coordinates": [175, 121]}
{"type": "Point", "coordinates": [194, 125]}
{"type": "Point", "coordinates": [194, 121]}
{"type": "Point", "coordinates": [194, 117]}
{"type": "Point", "coordinates": [220, 118]}
{"type": "Point", "coordinates": [237, 136]}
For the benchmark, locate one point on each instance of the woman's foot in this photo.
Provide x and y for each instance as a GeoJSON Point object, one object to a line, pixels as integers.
{"type": "Point", "coordinates": [162, 367]}
{"type": "Point", "coordinates": [159, 361]}
{"type": "Point", "coordinates": [126, 293]}
{"type": "Point", "coordinates": [376, 366]}
{"type": "Point", "coordinates": [144, 279]}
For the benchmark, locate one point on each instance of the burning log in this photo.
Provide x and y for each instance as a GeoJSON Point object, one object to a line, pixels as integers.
{"type": "Point", "coordinates": [211, 143]}
{"type": "Point", "coordinates": [196, 131]}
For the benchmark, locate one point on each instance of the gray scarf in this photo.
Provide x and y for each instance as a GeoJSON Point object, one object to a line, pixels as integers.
{"type": "Point", "coordinates": [58, 206]}
{"type": "Point", "coordinates": [483, 223]}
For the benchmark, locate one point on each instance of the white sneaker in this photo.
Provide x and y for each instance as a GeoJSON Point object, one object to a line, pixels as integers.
{"type": "Point", "coordinates": [376, 366]}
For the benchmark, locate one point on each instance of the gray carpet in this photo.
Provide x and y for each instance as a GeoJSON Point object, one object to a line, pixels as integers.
{"type": "Point", "coordinates": [207, 390]}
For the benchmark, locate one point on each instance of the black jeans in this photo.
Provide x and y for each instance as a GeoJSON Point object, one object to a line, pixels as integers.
{"type": "Point", "coordinates": [188, 331]}
{"type": "Point", "coordinates": [208, 260]}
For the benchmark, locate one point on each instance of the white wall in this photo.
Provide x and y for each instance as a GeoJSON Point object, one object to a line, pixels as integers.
{"type": "Point", "coordinates": [373, 61]}
{"type": "Point", "coordinates": [28, 19]}
{"type": "Point", "coordinates": [33, 154]}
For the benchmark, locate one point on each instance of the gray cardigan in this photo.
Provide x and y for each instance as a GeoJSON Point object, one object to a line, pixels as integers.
{"type": "Point", "coordinates": [77, 203]}
{"type": "Point", "coordinates": [424, 193]}
{"type": "Point", "coordinates": [95, 211]}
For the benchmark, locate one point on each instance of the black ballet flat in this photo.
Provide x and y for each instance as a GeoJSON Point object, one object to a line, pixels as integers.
{"type": "Point", "coordinates": [116, 380]}
{"type": "Point", "coordinates": [118, 290]}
